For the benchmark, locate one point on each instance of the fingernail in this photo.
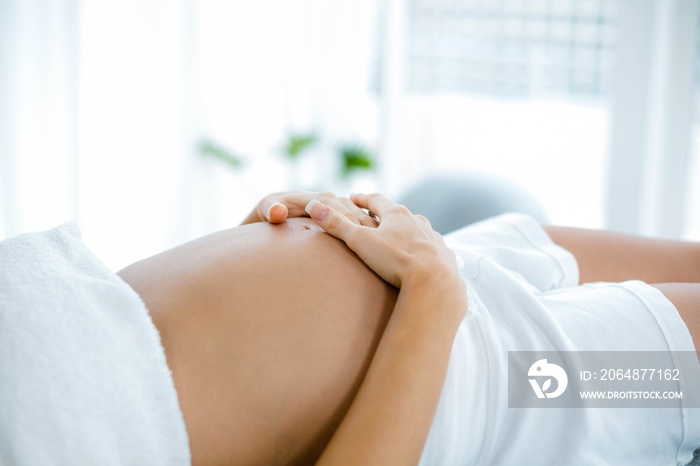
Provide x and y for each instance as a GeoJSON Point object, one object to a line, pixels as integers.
{"type": "Point", "coordinates": [269, 209]}
{"type": "Point", "coordinates": [317, 210]}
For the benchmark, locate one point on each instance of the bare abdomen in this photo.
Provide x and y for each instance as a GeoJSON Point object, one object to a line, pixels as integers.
{"type": "Point", "coordinates": [268, 330]}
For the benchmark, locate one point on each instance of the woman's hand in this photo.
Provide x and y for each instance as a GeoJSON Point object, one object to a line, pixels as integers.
{"type": "Point", "coordinates": [390, 417]}
{"type": "Point", "coordinates": [404, 246]}
{"type": "Point", "coordinates": [277, 207]}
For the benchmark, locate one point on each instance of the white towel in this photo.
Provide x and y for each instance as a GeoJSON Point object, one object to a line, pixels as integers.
{"type": "Point", "coordinates": [83, 375]}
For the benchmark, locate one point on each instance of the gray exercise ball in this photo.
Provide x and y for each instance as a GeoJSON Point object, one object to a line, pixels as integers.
{"type": "Point", "coordinates": [453, 200]}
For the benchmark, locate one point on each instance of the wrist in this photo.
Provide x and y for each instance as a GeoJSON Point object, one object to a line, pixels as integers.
{"type": "Point", "coordinates": [434, 276]}
{"type": "Point", "coordinates": [442, 291]}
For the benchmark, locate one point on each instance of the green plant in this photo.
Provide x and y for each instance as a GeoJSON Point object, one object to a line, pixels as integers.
{"type": "Point", "coordinates": [355, 157]}
{"type": "Point", "coordinates": [297, 144]}
{"type": "Point", "coordinates": [216, 151]}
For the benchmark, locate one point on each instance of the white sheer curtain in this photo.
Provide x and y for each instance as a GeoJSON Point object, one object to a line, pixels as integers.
{"type": "Point", "coordinates": [38, 113]}
{"type": "Point", "coordinates": [104, 105]}
{"type": "Point", "coordinates": [94, 120]}
{"type": "Point", "coordinates": [650, 176]}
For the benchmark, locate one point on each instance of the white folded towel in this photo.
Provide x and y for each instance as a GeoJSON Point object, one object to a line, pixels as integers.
{"type": "Point", "coordinates": [83, 375]}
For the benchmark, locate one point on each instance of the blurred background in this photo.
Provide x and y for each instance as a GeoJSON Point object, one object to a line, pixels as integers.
{"type": "Point", "coordinates": [151, 122]}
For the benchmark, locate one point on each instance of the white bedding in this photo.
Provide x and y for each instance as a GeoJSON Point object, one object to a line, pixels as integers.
{"type": "Point", "coordinates": [83, 376]}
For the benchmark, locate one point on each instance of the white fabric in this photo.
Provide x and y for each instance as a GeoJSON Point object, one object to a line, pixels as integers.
{"type": "Point", "coordinates": [83, 376]}
{"type": "Point", "coordinates": [523, 296]}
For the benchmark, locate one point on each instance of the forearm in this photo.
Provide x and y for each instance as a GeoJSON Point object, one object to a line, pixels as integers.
{"type": "Point", "coordinates": [389, 420]}
{"type": "Point", "coordinates": [610, 256]}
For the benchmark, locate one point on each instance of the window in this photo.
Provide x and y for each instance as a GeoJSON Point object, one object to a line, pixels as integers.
{"type": "Point", "coordinates": [518, 88]}
{"type": "Point", "coordinates": [511, 47]}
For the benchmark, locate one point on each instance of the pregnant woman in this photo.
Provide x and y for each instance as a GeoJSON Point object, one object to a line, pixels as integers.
{"type": "Point", "coordinates": [330, 340]}
{"type": "Point", "coordinates": [336, 331]}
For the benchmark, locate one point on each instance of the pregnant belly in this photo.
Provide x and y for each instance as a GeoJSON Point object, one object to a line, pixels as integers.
{"type": "Point", "coordinates": [268, 330]}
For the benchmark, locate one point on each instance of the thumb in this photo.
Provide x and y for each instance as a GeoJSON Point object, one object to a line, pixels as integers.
{"type": "Point", "coordinates": [332, 221]}
{"type": "Point", "coordinates": [273, 212]}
